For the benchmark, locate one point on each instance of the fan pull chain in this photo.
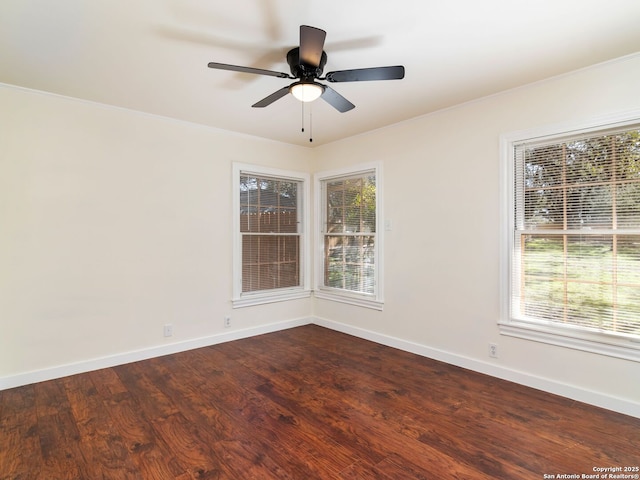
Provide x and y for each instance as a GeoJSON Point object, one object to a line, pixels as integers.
{"type": "Point", "coordinates": [310, 121]}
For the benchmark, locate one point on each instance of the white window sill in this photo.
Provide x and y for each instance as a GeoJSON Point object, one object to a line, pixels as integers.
{"type": "Point", "coordinates": [357, 300]}
{"type": "Point", "coordinates": [593, 342]}
{"type": "Point", "coordinates": [250, 300]}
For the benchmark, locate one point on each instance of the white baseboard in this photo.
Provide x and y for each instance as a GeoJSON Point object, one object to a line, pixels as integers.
{"type": "Point", "coordinates": [582, 395]}
{"type": "Point", "coordinates": [569, 391]}
{"type": "Point", "coordinates": [143, 354]}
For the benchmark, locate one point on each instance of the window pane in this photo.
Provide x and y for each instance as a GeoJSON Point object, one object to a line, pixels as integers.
{"type": "Point", "coordinates": [628, 302]}
{"type": "Point", "coordinates": [543, 256]}
{"type": "Point", "coordinates": [351, 205]}
{"type": "Point", "coordinates": [592, 182]}
{"type": "Point", "coordinates": [589, 207]}
{"type": "Point", "coordinates": [628, 284]}
{"type": "Point", "coordinates": [590, 185]}
{"type": "Point", "coordinates": [268, 205]}
{"type": "Point", "coordinates": [543, 209]}
{"type": "Point", "coordinates": [627, 147]}
{"type": "Point", "coordinates": [578, 279]}
{"type": "Point", "coordinates": [270, 261]}
{"type": "Point", "coordinates": [350, 263]}
{"type": "Point", "coordinates": [590, 304]}
{"type": "Point", "coordinates": [543, 298]}
{"type": "Point", "coordinates": [628, 259]}
{"type": "Point", "coordinates": [588, 160]}
{"type": "Point", "coordinates": [627, 202]}
{"type": "Point", "coordinates": [349, 219]}
{"type": "Point", "coordinates": [590, 258]}
{"type": "Point", "coordinates": [543, 166]}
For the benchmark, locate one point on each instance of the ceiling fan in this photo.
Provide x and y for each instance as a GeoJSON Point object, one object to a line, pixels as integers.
{"type": "Point", "coordinates": [306, 63]}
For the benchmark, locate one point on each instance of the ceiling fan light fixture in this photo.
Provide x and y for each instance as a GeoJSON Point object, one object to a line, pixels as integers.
{"type": "Point", "coordinates": [306, 91]}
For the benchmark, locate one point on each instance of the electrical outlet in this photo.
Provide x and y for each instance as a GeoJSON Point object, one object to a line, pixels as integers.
{"type": "Point", "coordinates": [227, 321]}
{"type": "Point", "coordinates": [168, 330]}
{"type": "Point", "coordinates": [493, 350]}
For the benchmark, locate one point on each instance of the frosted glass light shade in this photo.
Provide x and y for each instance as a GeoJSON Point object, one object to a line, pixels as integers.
{"type": "Point", "coordinates": [306, 92]}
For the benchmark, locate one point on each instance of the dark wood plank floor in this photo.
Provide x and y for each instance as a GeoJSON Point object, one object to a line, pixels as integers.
{"type": "Point", "coordinates": [305, 403]}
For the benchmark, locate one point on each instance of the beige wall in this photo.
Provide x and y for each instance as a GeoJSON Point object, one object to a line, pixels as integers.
{"type": "Point", "coordinates": [442, 196]}
{"type": "Point", "coordinates": [114, 223]}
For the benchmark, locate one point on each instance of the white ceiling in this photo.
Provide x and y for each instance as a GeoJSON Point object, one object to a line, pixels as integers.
{"type": "Point", "coordinates": [152, 55]}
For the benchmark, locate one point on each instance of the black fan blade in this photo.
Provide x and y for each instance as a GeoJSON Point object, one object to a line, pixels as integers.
{"type": "Point", "coordinates": [311, 45]}
{"type": "Point", "coordinates": [271, 98]}
{"type": "Point", "coordinates": [257, 71]}
{"type": "Point", "coordinates": [367, 74]}
{"type": "Point", "coordinates": [336, 100]}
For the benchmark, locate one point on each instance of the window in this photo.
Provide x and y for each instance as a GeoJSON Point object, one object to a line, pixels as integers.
{"type": "Point", "coordinates": [270, 251]}
{"type": "Point", "coordinates": [349, 240]}
{"type": "Point", "coordinates": [574, 239]}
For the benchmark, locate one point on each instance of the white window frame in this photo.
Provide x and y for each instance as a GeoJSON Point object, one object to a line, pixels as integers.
{"type": "Point", "coordinates": [375, 300]}
{"type": "Point", "coordinates": [246, 299]}
{"type": "Point", "coordinates": [549, 332]}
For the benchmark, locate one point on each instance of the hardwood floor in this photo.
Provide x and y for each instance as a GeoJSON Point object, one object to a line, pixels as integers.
{"type": "Point", "coordinates": [305, 403]}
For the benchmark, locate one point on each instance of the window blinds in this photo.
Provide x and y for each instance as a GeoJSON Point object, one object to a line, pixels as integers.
{"type": "Point", "coordinates": [270, 229]}
{"type": "Point", "coordinates": [350, 233]}
{"type": "Point", "coordinates": [577, 232]}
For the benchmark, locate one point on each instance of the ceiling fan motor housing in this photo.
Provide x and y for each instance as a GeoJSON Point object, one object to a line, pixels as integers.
{"type": "Point", "coordinates": [304, 71]}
